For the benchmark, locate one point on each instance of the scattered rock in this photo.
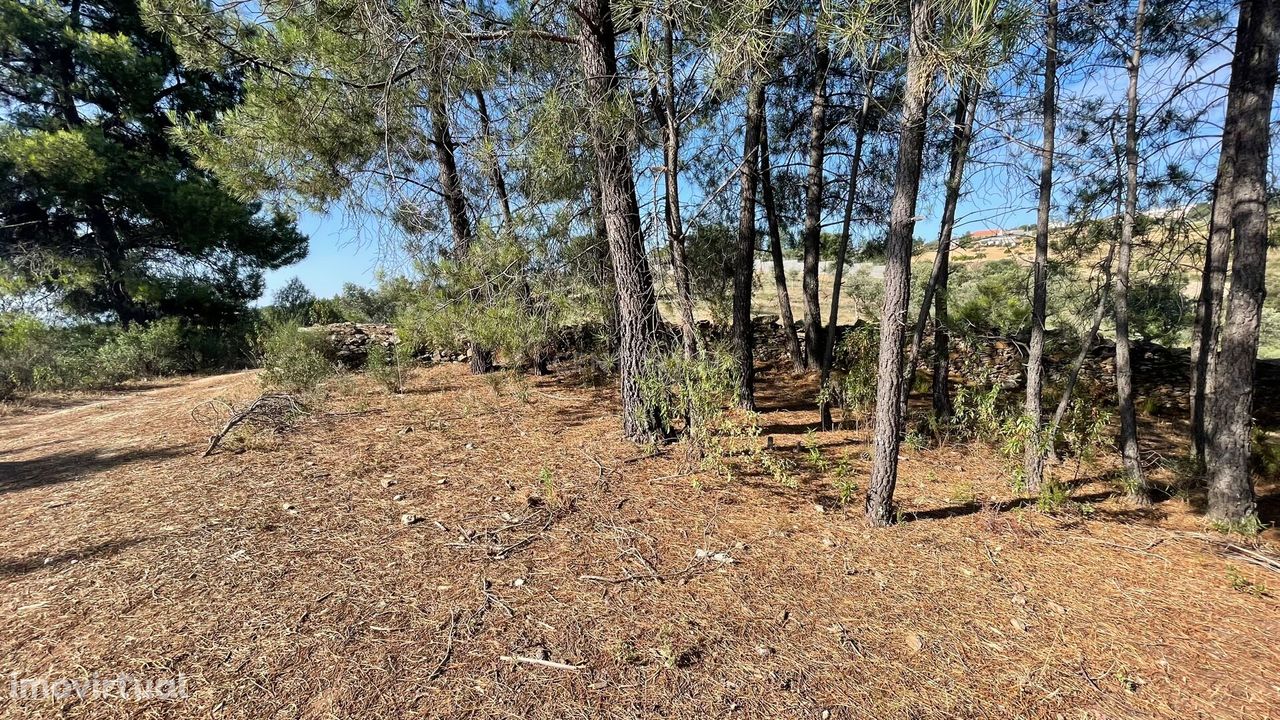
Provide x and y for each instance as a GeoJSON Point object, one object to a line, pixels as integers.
{"type": "Point", "coordinates": [764, 650]}
{"type": "Point", "coordinates": [518, 582]}
{"type": "Point", "coordinates": [398, 498]}
{"type": "Point", "coordinates": [721, 557]}
{"type": "Point", "coordinates": [409, 519]}
{"type": "Point", "coordinates": [1019, 625]}
{"type": "Point", "coordinates": [388, 482]}
{"type": "Point", "coordinates": [289, 508]}
{"type": "Point", "coordinates": [915, 642]}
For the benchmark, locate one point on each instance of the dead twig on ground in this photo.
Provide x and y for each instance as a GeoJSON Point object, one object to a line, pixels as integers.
{"type": "Point", "coordinates": [438, 670]}
{"type": "Point", "coordinates": [274, 410]}
{"type": "Point", "coordinates": [1256, 558]}
{"type": "Point", "coordinates": [541, 663]}
{"type": "Point", "coordinates": [687, 571]}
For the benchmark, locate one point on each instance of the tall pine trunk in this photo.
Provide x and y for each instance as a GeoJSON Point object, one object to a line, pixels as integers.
{"type": "Point", "coordinates": [842, 253]}
{"type": "Point", "coordinates": [897, 274]}
{"type": "Point", "coordinates": [811, 236]}
{"type": "Point", "coordinates": [637, 305]}
{"type": "Point", "coordinates": [787, 319]}
{"type": "Point", "coordinates": [1230, 398]}
{"type": "Point", "coordinates": [961, 135]}
{"type": "Point", "coordinates": [744, 263]}
{"type": "Point", "coordinates": [455, 203]}
{"type": "Point", "coordinates": [1134, 481]}
{"type": "Point", "coordinates": [1033, 459]}
{"type": "Point", "coordinates": [496, 176]}
{"type": "Point", "coordinates": [671, 207]}
{"type": "Point", "coordinates": [602, 267]}
{"type": "Point", "coordinates": [1217, 255]}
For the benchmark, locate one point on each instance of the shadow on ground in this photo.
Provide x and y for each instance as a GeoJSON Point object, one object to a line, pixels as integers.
{"type": "Point", "coordinates": [34, 562]}
{"type": "Point", "coordinates": [16, 475]}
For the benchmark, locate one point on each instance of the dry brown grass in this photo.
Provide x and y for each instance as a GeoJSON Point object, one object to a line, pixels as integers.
{"type": "Point", "coordinates": [281, 581]}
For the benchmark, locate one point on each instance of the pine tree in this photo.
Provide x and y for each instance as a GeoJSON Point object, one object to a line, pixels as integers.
{"type": "Point", "coordinates": [122, 221]}
{"type": "Point", "coordinates": [1231, 380]}
{"type": "Point", "coordinates": [897, 275]}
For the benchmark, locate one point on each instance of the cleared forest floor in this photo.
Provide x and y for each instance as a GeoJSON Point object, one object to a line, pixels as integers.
{"type": "Point", "coordinates": [279, 578]}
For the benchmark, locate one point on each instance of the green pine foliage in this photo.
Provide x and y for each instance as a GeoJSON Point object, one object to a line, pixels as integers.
{"type": "Point", "coordinates": [100, 207]}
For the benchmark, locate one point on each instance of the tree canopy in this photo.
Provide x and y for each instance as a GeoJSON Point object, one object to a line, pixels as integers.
{"type": "Point", "coordinates": [99, 206]}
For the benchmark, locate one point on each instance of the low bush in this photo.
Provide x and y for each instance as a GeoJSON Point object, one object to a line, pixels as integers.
{"type": "Point", "coordinates": [292, 359]}
{"type": "Point", "coordinates": [37, 355]}
{"type": "Point", "coordinates": [388, 369]}
{"type": "Point", "coordinates": [143, 352]}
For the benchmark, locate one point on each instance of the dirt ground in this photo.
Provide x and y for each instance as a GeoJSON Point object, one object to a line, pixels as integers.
{"type": "Point", "coordinates": [278, 577]}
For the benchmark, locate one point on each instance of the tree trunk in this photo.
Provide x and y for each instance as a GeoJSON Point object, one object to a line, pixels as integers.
{"type": "Point", "coordinates": [812, 234]}
{"type": "Point", "coordinates": [842, 253]}
{"type": "Point", "coordinates": [961, 135]}
{"type": "Point", "coordinates": [787, 319]}
{"type": "Point", "coordinates": [1033, 459]}
{"type": "Point", "coordinates": [1230, 398]}
{"type": "Point", "coordinates": [604, 268]}
{"type": "Point", "coordinates": [1134, 481]}
{"type": "Point", "coordinates": [101, 223]}
{"type": "Point", "coordinates": [744, 265]}
{"type": "Point", "coordinates": [499, 181]}
{"type": "Point", "coordinates": [940, 388]}
{"type": "Point", "coordinates": [637, 306]}
{"type": "Point", "coordinates": [897, 275]}
{"type": "Point", "coordinates": [675, 228]}
{"type": "Point", "coordinates": [107, 238]}
{"type": "Point", "coordinates": [1217, 255]}
{"type": "Point", "coordinates": [480, 359]}
{"type": "Point", "coordinates": [455, 202]}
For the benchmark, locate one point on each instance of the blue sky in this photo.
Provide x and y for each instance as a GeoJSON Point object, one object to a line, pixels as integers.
{"type": "Point", "coordinates": [334, 258]}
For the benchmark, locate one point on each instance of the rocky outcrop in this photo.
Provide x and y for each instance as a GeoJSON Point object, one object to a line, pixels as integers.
{"type": "Point", "coordinates": [350, 343]}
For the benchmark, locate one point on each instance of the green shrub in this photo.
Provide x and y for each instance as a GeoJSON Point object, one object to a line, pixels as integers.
{"type": "Point", "coordinates": [865, 292]}
{"type": "Point", "coordinates": [486, 300]}
{"type": "Point", "coordinates": [710, 257]}
{"type": "Point", "coordinates": [991, 297]}
{"type": "Point", "coordinates": [853, 384]}
{"type": "Point", "coordinates": [695, 391]}
{"type": "Point", "coordinates": [143, 352]}
{"type": "Point", "coordinates": [35, 355]}
{"type": "Point", "coordinates": [388, 369]}
{"type": "Point", "coordinates": [293, 360]}
{"type": "Point", "coordinates": [38, 355]}
{"type": "Point", "coordinates": [1159, 312]}
{"type": "Point", "coordinates": [701, 393]}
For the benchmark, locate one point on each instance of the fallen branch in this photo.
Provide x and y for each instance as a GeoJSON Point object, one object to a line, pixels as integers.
{"type": "Point", "coordinates": [1256, 558]}
{"type": "Point", "coordinates": [448, 649]}
{"type": "Point", "coordinates": [642, 578]}
{"type": "Point", "coordinates": [541, 663]}
{"type": "Point", "coordinates": [272, 409]}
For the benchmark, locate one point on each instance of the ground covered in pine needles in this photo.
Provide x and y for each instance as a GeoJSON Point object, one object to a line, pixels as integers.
{"type": "Point", "coordinates": [469, 549]}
